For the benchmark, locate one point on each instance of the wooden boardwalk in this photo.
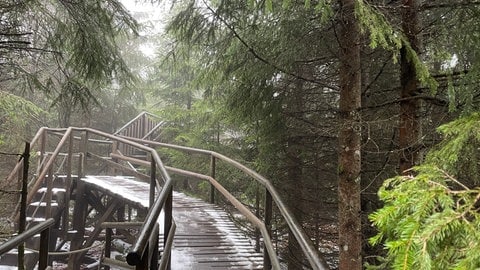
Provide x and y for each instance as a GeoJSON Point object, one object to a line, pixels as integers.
{"type": "Point", "coordinates": [205, 237]}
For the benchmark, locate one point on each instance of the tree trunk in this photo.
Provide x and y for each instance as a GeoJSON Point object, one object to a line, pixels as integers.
{"type": "Point", "coordinates": [410, 128]}
{"type": "Point", "coordinates": [349, 219]}
{"type": "Point", "coordinates": [295, 198]}
{"type": "Point", "coordinates": [294, 146]}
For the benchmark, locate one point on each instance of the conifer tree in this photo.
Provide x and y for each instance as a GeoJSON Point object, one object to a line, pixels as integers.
{"type": "Point", "coordinates": [350, 238]}
{"type": "Point", "coordinates": [409, 126]}
{"type": "Point", "coordinates": [430, 220]}
{"type": "Point", "coordinates": [66, 49]}
{"type": "Point", "coordinates": [251, 61]}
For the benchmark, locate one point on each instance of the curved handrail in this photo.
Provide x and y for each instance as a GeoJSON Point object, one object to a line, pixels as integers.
{"type": "Point", "coordinates": [141, 244]}
{"type": "Point", "coordinates": [19, 164]}
{"type": "Point", "coordinates": [315, 260]}
{"type": "Point", "coordinates": [240, 207]}
{"type": "Point", "coordinates": [64, 139]}
{"type": "Point", "coordinates": [149, 224]}
{"type": "Point", "coordinates": [134, 257]}
{"type": "Point", "coordinates": [167, 249]}
{"type": "Point", "coordinates": [45, 170]}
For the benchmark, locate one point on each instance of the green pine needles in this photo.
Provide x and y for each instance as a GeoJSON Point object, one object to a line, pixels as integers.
{"type": "Point", "coordinates": [384, 35]}
{"type": "Point", "coordinates": [431, 220]}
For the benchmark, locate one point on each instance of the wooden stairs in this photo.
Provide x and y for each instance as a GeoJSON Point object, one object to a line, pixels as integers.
{"type": "Point", "coordinates": [44, 205]}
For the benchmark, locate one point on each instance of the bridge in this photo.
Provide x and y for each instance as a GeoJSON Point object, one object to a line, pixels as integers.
{"type": "Point", "coordinates": [94, 200]}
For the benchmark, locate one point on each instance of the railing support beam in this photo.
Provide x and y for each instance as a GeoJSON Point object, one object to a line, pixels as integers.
{"type": "Point", "coordinates": [267, 264]}
{"type": "Point", "coordinates": [212, 174]}
{"type": "Point", "coordinates": [143, 265]}
{"type": "Point", "coordinates": [168, 222]}
{"type": "Point", "coordinates": [23, 204]}
{"type": "Point", "coordinates": [44, 248]}
{"type": "Point", "coordinates": [153, 181]}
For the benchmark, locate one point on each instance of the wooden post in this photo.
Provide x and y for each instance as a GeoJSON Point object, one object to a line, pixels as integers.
{"type": "Point", "coordinates": [48, 210]}
{"type": "Point", "coordinates": [44, 247]}
{"type": "Point", "coordinates": [121, 213]}
{"type": "Point", "coordinates": [108, 245]}
{"type": "Point", "coordinates": [79, 216]}
{"type": "Point", "coordinates": [267, 264]}
{"type": "Point", "coordinates": [81, 162]}
{"type": "Point", "coordinates": [153, 181]}
{"type": "Point", "coordinates": [257, 213]}
{"type": "Point", "coordinates": [84, 150]}
{"type": "Point", "coordinates": [68, 187]}
{"type": "Point", "coordinates": [212, 174]}
{"type": "Point", "coordinates": [168, 222]}
{"type": "Point", "coordinates": [48, 195]}
{"type": "Point", "coordinates": [112, 170]}
{"type": "Point", "coordinates": [43, 142]}
{"type": "Point", "coordinates": [145, 126]}
{"type": "Point", "coordinates": [143, 265]}
{"type": "Point", "coordinates": [154, 249]}
{"type": "Point", "coordinates": [23, 205]}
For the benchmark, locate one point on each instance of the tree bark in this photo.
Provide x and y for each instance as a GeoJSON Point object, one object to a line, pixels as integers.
{"type": "Point", "coordinates": [294, 146]}
{"type": "Point", "coordinates": [349, 219]}
{"type": "Point", "coordinates": [295, 198]}
{"type": "Point", "coordinates": [410, 127]}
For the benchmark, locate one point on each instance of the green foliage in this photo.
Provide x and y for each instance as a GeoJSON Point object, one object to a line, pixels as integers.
{"type": "Point", "coordinates": [66, 50]}
{"type": "Point", "coordinates": [382, 34]}
{"type": "Point", "coordinates": [16, 116]}
{"type": "Point", "coordinates": [458, 153]}
{"type": "Point", "coordinates": [431, 220]}
{"type": "Point", "coordinates": [86, 32]}
{"type": "Point", "coordinates": [453, 49]}
{"type": "Point", "coordinates": [379, 29]}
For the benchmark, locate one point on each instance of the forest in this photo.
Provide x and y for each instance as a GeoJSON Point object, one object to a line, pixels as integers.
{"type": "Point", "coordinates": [365, 114]}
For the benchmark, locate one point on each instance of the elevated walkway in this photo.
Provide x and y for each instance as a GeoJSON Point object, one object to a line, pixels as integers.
{"type": "Point", "coordinates": [205, 237]}
{"type": "Point", "coordinates": [80, 217]}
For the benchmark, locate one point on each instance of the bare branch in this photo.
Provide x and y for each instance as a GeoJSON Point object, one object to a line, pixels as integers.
{"type": "Point", "coordinates": [428, 5]}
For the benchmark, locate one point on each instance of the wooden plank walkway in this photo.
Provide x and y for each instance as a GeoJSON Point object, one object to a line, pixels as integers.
{"type": "Point", "coordinates": [205, 238]}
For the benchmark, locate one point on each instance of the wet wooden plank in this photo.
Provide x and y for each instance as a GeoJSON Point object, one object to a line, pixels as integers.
{"type": "Point", "coordinates": [126, 188]}
{"type": "Point", "coordinates": [205, 238]}
{"type": "Point", "coordinates": [208, 239]}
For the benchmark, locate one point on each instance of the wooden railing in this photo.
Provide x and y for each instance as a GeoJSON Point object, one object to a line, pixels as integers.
{"type": "Point", "coordinates": [44, 230]}
{"type": "Point", "coordinates": [271, 195]}
{"type": "Point", "coordinates": [79, 142]}
{"type": "Point", "coordinates": [144, 126]}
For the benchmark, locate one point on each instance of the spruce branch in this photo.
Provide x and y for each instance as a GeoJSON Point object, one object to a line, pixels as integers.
{"type": "Point", "coordinates": [263, 59]}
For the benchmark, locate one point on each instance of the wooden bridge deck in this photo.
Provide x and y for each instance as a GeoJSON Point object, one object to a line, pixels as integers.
{"type": "Point", "coordinates": [205, 237]}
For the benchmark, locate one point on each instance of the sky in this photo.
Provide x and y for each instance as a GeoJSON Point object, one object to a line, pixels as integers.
{"type": "Point", "coordinates": [139, 6]}
{"type": "Point", "coordinates": [152, 16]}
